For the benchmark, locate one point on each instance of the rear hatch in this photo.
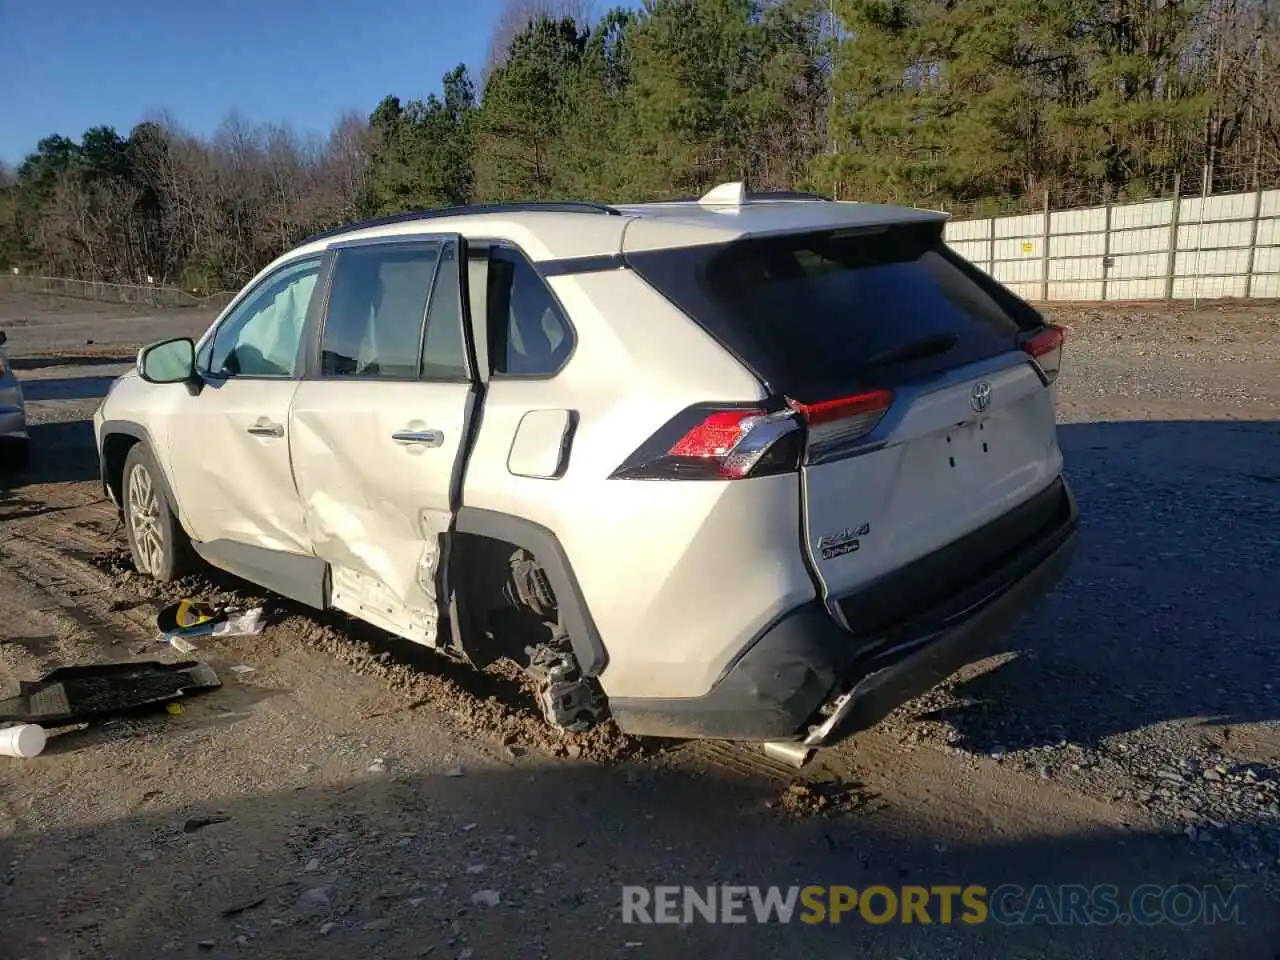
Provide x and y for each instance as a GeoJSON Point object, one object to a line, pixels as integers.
{"type": "Point", "coordinates": [927, 416]}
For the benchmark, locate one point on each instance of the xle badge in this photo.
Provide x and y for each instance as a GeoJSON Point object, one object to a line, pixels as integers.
{"type": "Point", "coordinates": [834, 545]}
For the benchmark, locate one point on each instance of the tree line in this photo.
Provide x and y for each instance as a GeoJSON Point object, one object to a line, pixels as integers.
{"type": "Point", "coordinates": [930, 102]}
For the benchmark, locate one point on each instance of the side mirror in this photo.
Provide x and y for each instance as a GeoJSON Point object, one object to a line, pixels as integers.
{"type": "Point", "coordinates": [169, 361]}
{"type": "Point", "coordinates": [4, 338]}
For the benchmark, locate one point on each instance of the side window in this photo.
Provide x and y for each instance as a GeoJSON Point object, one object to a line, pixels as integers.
{"type": "Point", "coordinates": [261, 337]}
{"type": "Point", "coordinates": [377, 306]}
{"type": "Point", "coordinates": [529, 334]}
{"type": "Point", "coordinates": [444, 352]}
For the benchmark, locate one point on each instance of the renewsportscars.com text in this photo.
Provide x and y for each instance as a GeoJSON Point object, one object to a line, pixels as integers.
{"type": "Point", "coordinates": [1007, 904]}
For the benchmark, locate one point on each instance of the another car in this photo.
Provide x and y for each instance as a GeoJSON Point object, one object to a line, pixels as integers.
{"type": "Point", "coordinates": [14, 439]}
{"type": "Point", "coordinates": [753, 467]}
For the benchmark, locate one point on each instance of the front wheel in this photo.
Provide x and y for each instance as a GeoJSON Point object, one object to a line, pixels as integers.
{"type": "Point", "coordinates": [160, 547]}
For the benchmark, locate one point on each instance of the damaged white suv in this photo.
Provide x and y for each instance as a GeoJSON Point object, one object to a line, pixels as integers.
{"type": "Point", "coordinates": [754, 467]}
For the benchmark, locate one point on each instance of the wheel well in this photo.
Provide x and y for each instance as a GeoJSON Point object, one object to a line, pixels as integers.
{"type": "Point", "coordinates": [473, 524]}
{"type": "Point", "coordinates": [506, 606]}
{"type": "Point", "coordinates": [493, 622]}
{"type": "Point", "coordinates": [115, 450]}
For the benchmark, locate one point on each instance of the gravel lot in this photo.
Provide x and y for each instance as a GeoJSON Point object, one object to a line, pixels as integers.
{"type": "Point", "coordinates": [382, 803]}
{"type": "Point", "coordinates": [1153, 675]}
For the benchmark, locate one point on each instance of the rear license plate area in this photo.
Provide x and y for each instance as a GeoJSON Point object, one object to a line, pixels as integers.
{"type": "Point", "coordinates": [966, 444]}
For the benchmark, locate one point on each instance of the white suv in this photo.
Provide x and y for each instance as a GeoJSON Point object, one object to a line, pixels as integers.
{"type": "Point", "coordinates": [744, 467]}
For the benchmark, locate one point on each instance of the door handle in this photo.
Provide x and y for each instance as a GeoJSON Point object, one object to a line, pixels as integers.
{"type": "Point", "coordinates": [425, 438]}
{"type": "Point", "coordinates": [266, 429]}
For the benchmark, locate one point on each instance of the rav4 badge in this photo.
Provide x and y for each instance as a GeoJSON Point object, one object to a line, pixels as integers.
{"type": "Point", "coordinates": [834, 545]}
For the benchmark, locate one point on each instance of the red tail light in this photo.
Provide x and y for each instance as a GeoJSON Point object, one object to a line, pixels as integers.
{"type": "Point", "coordinates": [716, 436]}
{"type": "Point", "coordinates": [708, 442]}
{"type": "Point", "coordinates": [835, 424]}
{"type": "Point", "coordinates": [1045, 348]}
{"type": "Point", "coordinates": [721, 442]}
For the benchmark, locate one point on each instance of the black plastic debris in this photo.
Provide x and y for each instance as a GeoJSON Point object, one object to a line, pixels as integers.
{"type": "Point", "coordinates": [199, 823]}
{"type": "Point", "coordinates": [77, 694]}
{"type": "Point", "coordinates": [239, 908]}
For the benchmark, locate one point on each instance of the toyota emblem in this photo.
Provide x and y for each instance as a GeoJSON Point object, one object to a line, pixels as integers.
{"type": "Point", "coordinates": [980, 395]}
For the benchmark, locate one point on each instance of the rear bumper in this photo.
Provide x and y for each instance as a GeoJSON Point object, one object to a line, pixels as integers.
{"type": "Point", "coordinates": [774, 690]}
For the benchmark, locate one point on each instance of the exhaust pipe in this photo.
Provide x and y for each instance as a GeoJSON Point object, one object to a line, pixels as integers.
{"type": "Point", "coordinates": [798, 754]}
{"type": "Point", "coordinates": [788, 752]}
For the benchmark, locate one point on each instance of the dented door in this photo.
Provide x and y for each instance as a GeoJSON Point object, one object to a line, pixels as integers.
{"type": "Point", "coordinates": [379, 426]}
{"type": "Point", "coordinates": [227, 445]}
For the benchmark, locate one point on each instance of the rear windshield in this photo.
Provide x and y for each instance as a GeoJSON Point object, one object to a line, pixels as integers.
{"type": "Point", "coordinates": [818, 314]}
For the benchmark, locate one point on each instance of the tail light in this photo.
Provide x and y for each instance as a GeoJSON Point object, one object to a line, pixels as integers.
{"type": "Point", "coordinates": [1045, 348]}
{"type": "Point", "coordinates": [720, 442]}
{"type": "Point", "coordinates": [712, 442]}
{"type": "Point", "coordinates": [836, 424]}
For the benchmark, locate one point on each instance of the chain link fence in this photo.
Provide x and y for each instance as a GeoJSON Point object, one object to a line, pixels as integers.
{"type": "Point", "coordinates": [144, 294]}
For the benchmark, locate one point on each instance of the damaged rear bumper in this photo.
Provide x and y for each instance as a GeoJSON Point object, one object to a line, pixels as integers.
{"type": "Point", "coordinates": [806, 661]}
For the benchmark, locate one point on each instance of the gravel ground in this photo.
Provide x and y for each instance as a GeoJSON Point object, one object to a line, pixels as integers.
{"type": "Point", "coordinates": [350, 796]}
{"type": "Point", "coordinates": [1153, 674]}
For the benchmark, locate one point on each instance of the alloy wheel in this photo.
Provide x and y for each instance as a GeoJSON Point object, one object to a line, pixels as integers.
{"type": "Point", "coordinates": [144, 519]}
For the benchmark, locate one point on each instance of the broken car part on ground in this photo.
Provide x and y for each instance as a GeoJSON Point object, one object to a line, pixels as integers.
{"type": "Point", "coordinates": [79, 694]}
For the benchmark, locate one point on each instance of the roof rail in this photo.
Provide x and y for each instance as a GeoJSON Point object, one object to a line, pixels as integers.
{"type": "Point", "coordinates": [471, 209]}
{"type": "Point", "coordinates": [789, 195]}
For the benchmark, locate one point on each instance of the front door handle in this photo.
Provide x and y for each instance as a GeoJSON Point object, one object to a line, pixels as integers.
{"type": "Point", "coordinates": [423, 438]}
{"type": "Point", "coordinates": [264, 428]}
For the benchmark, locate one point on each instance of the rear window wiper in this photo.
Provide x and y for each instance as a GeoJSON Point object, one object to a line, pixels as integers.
{"type": "Point", "coordinates": [914, 350]}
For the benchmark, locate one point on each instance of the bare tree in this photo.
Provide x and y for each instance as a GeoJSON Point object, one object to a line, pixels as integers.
{"type": "Point", "coordinates": [518, 14]}
{"type": "Point", "coordinates": [9, 230]}
{"type": "Point", "coordinates": [287, 173]}
{"type": "Point", "coordinates": [62, 231]}
{"type": "Point", "coordinates": [344, 170]}
{"type": "Point", "coordinates": [111, 236]}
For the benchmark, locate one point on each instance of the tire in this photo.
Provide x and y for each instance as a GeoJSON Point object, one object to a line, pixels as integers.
{"type": "Point", "coordinates": [160, 547]}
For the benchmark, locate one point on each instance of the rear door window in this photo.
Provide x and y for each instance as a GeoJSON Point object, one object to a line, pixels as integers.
{"type": "Point", "coordinates": [377, 308]}
{"type": "Point", "coordinates": [395, 313]}
{"type": "Point", "coordinates": [444, 351]}
{"type": "Point", "coordinates": [819, 314]}
{"type": "Point", "coordinates": [529, 333]}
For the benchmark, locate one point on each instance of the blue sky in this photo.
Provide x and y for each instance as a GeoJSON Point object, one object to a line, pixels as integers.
{"type": "Point", "coordinates": [68, 65]}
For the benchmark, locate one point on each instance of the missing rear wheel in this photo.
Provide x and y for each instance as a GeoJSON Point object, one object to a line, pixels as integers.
{"type": "Point", "coordinates": [568, 700]}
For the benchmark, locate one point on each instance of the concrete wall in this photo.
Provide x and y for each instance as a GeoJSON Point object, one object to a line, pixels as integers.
{"type": "Point", "coordinates": [1226, 245]}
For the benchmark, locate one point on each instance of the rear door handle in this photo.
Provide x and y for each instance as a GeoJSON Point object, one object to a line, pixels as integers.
{"type": "Point", "coordinates": [264, 428]}
{"type": "Point", "coordinates": [425, 438]}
